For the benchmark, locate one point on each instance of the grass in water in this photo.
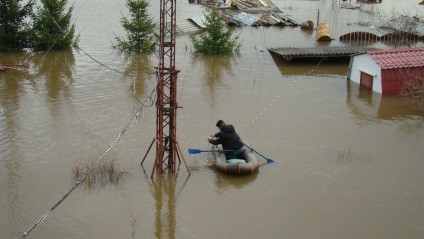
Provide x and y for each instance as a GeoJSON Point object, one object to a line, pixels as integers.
{"type": "Point", "coordinates": [107, 172]}
{"type": "Point", "coordinates": [343, 156]}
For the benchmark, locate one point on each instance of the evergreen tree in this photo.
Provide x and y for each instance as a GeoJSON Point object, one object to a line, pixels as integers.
{"type": "Point", "coordinates": [215, 40]}
{"type": "Point", "coordinates": [52, 28]}
{"type": "Point", "coordinates": [139, 28]}
{"type": "Point", "coordinates": [14, 30]}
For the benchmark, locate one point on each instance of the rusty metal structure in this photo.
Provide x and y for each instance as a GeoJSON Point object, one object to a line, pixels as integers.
{"type": "Point", "coordinates": [167, 146]}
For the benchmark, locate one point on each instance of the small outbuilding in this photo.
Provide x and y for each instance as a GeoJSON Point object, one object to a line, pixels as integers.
{"type": "Point", "coordinates": [385, 71]}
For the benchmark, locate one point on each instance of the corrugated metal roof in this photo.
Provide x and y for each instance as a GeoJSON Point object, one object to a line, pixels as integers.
{"type": "Point", "coordinates": [294, 52]}
{"type": "Point", "coordinates": [398, 58]}
{"type": "Point", "coordinates": [246, 18]}
{"type": "Point", "coordinates": [199, 21]}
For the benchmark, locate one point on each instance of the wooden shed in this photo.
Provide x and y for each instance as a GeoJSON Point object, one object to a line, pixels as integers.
{"type": "Point", "coordinates": [386, 71]}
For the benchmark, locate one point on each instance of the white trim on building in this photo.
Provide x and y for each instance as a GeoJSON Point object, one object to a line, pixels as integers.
{"type": "Point", "coordinates": [365, 63]}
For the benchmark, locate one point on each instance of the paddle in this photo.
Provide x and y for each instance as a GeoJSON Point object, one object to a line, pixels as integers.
{"type": "Point", "coordinates": [198, 151]}
{"type": "Point", "coordinates": [267, 159]}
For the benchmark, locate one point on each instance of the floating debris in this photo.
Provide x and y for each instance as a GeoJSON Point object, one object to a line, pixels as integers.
{"type": "Point", "coordinates": [250, 12]}
{"type": "Point", "coordinates": [323, 32]}
{"type": "Point", "coordinates": [6, 67]}
{"type": "Point", "coordinates": [308, 25]}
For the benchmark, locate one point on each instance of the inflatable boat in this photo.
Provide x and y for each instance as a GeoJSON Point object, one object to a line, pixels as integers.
{"type": "Point", "coordinates": [247, 165]}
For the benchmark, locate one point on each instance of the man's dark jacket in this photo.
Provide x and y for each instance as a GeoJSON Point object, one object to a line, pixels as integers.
{"type": "Point", "coordinates": [228, 137]}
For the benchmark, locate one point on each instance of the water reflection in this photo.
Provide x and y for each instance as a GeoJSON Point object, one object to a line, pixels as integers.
{"type": "Point", "coordinates": [214, 68]}
{"type": "Point", "coordinates": [366, 95]}
{"type": "Point", "coordinates": [368, 105]}
{"type": "Point", "coordinates": [11, 90]}
{"type": "Point", "coordinates": [53, 66]}
{"type": "Point", "coordinates": [386, 183]}
{"type": "Point", "coordinates": [56, 68]}
{"type": "Point", "coordinates": [312, 67]}
{"type": "Point", "coordinates": [10, 86]}
{"type": "Point", "coordinates": [225, 182]}
{"type": "Point", "coordinates": [12, 204]}
{"type": "Point", "coordinates": [307, 32]}
{"type": "Point", "coordinates": [395, 106]}
{"type": "Point", "coordinates": [139, 66]}
{"type": "Point", "coordinates": [164, 188]}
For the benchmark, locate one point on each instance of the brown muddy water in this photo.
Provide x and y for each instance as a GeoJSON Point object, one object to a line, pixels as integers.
{"type": "Point", "coordinates": [349, 163]}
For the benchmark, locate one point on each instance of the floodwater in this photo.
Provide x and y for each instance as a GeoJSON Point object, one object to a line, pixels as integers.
{"type": "Point", "coordinates": [349, 163]}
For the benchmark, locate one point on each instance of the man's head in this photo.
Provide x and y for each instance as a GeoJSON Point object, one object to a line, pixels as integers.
{"type": "Point", "coordinates": [220, 124]}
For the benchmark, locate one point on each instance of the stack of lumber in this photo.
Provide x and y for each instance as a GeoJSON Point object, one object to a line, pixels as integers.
{"type": "Point", "coordinates": [209, 3]}
{"type": "Point", "coordinates": [240, 4]}
{"type": "Point", "coordinates": [269, 19]}
{"type": "Point", "coordinates": [244, 4]}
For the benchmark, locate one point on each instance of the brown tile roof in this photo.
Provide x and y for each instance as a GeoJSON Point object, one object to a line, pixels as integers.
{"type": "Point", "coordinates": [398, 58]}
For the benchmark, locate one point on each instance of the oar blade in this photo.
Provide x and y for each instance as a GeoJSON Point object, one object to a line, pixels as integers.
{"type": "Point", "coordinates": [194, 151]}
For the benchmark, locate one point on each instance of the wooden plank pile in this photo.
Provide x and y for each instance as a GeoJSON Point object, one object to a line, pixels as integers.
{"type": "Point", "coordinates": [245, 4]}
{"type": "Point", "coordinates": [240, 4]}
{"type": "Point", "coordinates": [272, 19]}
{"type": "Point", "coordinates": [269, 14]}
{"type": "Point", "coordinates": [269, 19]}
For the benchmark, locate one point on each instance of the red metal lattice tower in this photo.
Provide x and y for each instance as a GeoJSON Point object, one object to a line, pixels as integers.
{"type": "Point", "coordinates": [167, 147]}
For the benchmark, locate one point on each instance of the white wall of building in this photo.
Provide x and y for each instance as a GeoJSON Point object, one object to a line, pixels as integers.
{"type": "Point", "coordinates": [365, 63]}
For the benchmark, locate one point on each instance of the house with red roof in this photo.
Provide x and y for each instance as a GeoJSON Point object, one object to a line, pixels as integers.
{"type": "Point", "coordinates": [385, 71]}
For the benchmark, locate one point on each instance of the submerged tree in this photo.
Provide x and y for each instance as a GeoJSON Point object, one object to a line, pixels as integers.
{"type": "Point", "coordinates": [215, 40]}
{"type": "Point", "coordinates": [413, 82]}
{"type": "Point", "coordinates": [139, 28]}
{"type": "Point", "coordinates": [413, 85]}
{"type": "Point", "coordinates": [14, 30]}
{"type": "Point", "coordinates": [52, 28]}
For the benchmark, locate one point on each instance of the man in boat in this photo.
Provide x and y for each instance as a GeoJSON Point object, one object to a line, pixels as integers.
{"type": "Point", "coordinates": [229, 140]}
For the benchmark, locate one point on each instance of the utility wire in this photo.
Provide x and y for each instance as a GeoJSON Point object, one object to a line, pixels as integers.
{"type": "Point", "coordinates": [84, 175]}
{"type": "Point", "coordinates": [274, 100]}
{"type": "Point", "coordinates": [147, 103]}
{"type": "Point", "coordinates": [102, 64]}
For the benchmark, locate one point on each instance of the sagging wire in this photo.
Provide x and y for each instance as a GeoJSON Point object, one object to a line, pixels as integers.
{"type": "Point", "coordinates": [263, 42]}
{"type": "Point", "coordinates": [185, 76]}
{"type": "Point", "coordinates": [77, 48]}
{"type": "Point", "coordinates": [88, 171]}
{"type": "Point", "coordinates": [80, 49]}
{"type": "Point", "coordinates": [100, 63]}
{"type": "Point", "coordinates": [274, 100]}
{"type": "Point", "coordinates": [319, 63]}
{"type": "Point", "coordinates": [45, 54]}
{"type": "Point", "coordinates": [259, 49]}
{"type": "Point", "coordinates": [147, 103]}
{"type": "Point", "coordinates": [257, 55]}
{"type": "Point", "coordinates": [255, 46]}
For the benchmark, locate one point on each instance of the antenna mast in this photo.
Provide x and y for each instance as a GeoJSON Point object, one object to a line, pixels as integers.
{"type": "Point", "coordinates": [167, 147]}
